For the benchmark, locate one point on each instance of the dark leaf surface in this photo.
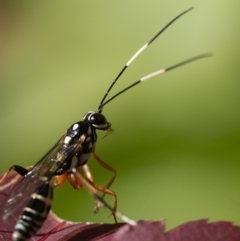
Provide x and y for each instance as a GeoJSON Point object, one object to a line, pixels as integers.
{"type": "Point", "coordinates": [57, 229]}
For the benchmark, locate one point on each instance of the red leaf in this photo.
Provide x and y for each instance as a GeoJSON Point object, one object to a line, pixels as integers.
{"type": "Point", "coordinates": [57, 229]}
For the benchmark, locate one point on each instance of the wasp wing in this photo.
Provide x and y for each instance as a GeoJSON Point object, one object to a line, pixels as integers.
{"type": "Point", "coordinates": [42, 171]}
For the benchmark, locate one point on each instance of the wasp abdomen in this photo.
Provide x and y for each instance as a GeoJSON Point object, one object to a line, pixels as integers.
{"type": "Point", "coordinates": [34, 214]}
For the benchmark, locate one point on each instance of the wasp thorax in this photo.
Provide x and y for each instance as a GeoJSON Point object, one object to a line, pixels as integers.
{"type": "Point", "coordinates": [97, 120]}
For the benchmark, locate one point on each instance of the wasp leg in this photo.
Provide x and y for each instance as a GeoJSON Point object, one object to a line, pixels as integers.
{"type": "Point", "coordinates": [98, 202]}
{"type": "Point", "coordinates": [92, 188]}
{"type": "Point", "coordinates": [111, 169]}
{"type": "Point", "coordinates": [89, 176]}
{"type": "Point", "coordinates": [77, 179]}
{"type": "Point", "coordinates": [105, 190]}
{"type": "Point", "coordinates": [106, 166]}
{"type": "Point", "coordinates": [60, 180]}
{"type": "Point", "coordinates": [67, 176]}
{"type": "Point", "coordinates": [87, 172]}
{"type": "Point", "coordinates": [20, 170]}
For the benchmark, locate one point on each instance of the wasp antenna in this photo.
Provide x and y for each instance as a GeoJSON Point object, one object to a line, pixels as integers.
{"type": "Point", "coordinates": [136, 55]}
{"type": "Point", "coordinates": [158, 72]}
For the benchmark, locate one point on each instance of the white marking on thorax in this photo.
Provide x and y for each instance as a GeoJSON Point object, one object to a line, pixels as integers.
{"type": "Point", "coordinates": [75, 126]}
{"type": "Point", "coordinates": [67, 139]}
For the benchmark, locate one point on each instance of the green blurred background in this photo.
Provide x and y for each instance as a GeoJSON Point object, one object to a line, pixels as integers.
{"type": "Point", "coordinates": [176, 140]}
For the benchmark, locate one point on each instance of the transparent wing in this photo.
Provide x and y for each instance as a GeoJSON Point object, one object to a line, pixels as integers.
{"type": "Point", "coordinates": [19, 195]}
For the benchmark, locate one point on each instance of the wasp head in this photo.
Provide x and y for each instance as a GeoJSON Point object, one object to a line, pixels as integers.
{"type": "Point", "coordinates": [97, 120]}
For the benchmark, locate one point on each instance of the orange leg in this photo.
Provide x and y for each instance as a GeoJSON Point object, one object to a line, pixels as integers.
{"type": "Point", "coordinates": [77, 178]}
{"type": "Point", "coordinates": [83, 171]}
{"type": "Point", "coordinates": [67, 176]}
{"type": "Point", "coordinates": [60, 180]}
{"type": "Point", "coordinates": [87, 172]}
{"type": "Point", "coordinates": [89, 176]}
{"type": "Point", "coordinates": [106, 166]}
{"type": "Point", "coordinates": [105, 190]}
{"type": "Point", "coordinates": [111, 169]}
{"type": "Point", "coordinates": [92, 188]}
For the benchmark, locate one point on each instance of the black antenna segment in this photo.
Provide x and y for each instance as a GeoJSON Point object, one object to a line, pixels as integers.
{"type": "Point", "coordinates": [158, 72]}
{"type": "Point", "coordinates": [135, 56]}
